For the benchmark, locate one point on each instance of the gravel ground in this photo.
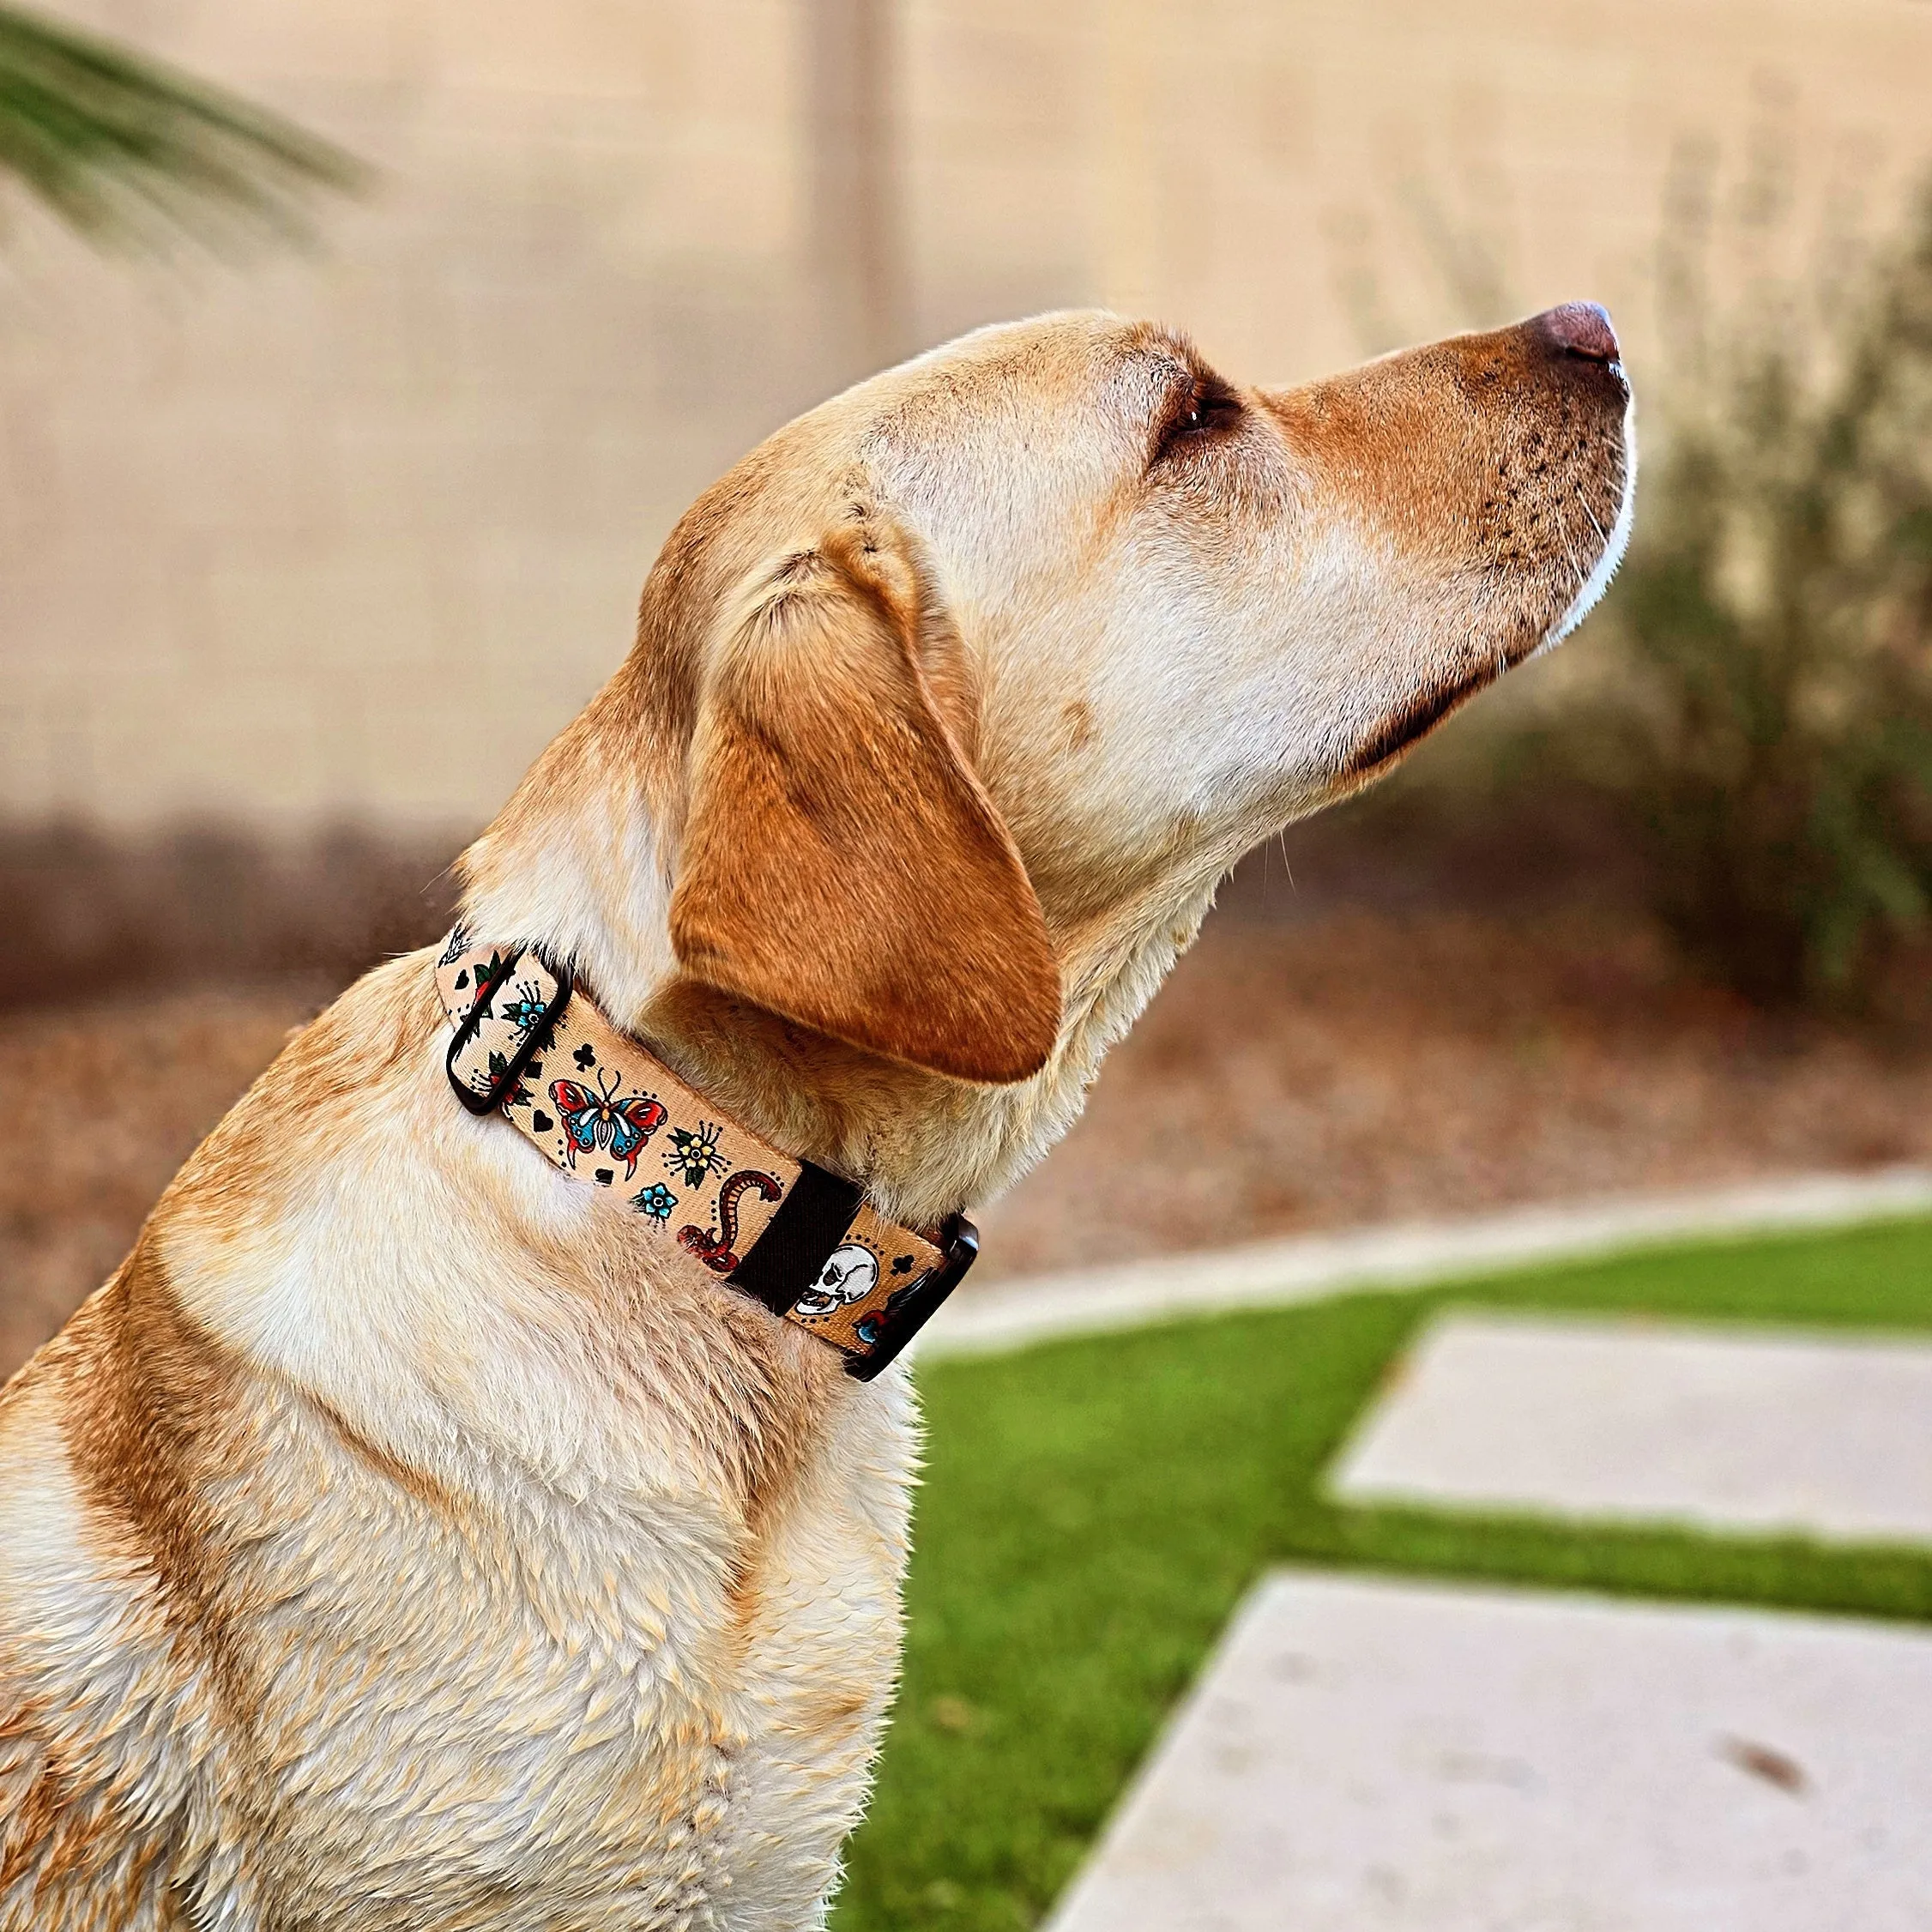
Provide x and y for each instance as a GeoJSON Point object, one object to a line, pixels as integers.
{"type": "Point", "coordinates": [1366, 1066]}
{"type": "Point", "coordinates": [1378, 1066]}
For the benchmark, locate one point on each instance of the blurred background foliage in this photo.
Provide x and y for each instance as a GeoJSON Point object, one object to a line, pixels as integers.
{"type": "Point", "coordinates": [1752, 718]}
{"type": "Point", "coordinates": [132, 152]}
{"type": "Point", "coordinates": [1753, 725]}
{"type": "Point", "coordinates": [358, 535]}
{"type": "Point", "coordinates": [1773, 744]}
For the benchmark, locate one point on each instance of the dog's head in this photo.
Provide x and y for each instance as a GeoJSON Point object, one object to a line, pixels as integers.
{"type": "Point", "coordinates": [1016, 648]}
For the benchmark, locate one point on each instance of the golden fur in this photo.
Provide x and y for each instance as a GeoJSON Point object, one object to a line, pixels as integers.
{"type": "Point", "coordinates": [391, 1545]}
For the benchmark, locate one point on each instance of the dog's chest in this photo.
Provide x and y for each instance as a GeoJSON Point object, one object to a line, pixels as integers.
{"type": "Point", "coordinates": [638, 1705]}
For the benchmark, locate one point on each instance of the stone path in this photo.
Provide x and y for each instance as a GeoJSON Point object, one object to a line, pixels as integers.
{"type": "Point", "coordinates": [1370, 1756]}
{"type": "Point", "coordinates": [1717, 1429]}
{"type": "Point", "coordinates": [1274, 1274]}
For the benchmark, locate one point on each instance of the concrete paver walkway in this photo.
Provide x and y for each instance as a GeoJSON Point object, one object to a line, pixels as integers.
{"type": "Point", "coordinates": [1369, 1756]}
{"type": "Point", "coordinates": [1724, 1428]}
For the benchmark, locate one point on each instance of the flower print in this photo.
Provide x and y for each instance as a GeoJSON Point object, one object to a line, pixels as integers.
{"type": "Point", "coordinates": [694, 1154]}
{"type": "Point", "coordinates": [657, 1200]}
{"type": "Point", "coordinates": [525, 1008]}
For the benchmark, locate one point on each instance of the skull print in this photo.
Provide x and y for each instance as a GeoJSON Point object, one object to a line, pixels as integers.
{"type": "Point", "coordinates": [850, 1274]}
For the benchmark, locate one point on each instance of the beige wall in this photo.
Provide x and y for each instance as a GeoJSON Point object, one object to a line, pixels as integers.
{"type": "Point", "coordinates": [351, 536]}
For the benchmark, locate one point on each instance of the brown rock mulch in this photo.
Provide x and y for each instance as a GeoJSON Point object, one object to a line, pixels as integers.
{"type": "Point", "coordinates": [1376, 1066]}
{"type": "Point", "coordinates": [109, 1100]}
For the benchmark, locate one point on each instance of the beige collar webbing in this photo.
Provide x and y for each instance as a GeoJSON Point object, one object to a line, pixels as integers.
{"type": "Point", "coordinates": [797, 1238]}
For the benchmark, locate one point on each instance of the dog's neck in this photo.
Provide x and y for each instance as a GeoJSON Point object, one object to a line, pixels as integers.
{"type": "Point", "coordinates": [594, 885]}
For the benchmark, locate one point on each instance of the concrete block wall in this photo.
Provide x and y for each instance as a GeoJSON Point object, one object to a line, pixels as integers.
{"type": "Point", "coordinates": [350, 535]}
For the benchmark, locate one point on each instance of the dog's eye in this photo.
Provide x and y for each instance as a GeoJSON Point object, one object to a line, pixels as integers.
{"type": "Point", "coordinates": [1210, 408]}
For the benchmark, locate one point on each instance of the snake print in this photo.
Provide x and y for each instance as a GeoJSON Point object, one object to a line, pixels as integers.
{"type": "Point", "coordinates": [713, 1246]}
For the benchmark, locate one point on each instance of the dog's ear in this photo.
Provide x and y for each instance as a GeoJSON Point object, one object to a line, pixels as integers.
{"type": "Point", "coordinates": [841, 864]}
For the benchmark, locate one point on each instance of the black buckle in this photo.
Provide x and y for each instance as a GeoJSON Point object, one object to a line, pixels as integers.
{"type": "Point", "coordinates": [538, 1037]}
{"type": "Point", "coordinates": [913, 1307]}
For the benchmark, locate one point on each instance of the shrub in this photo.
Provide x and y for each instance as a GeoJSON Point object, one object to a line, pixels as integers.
{"type": "Point", "coordinates": [1771, 734]}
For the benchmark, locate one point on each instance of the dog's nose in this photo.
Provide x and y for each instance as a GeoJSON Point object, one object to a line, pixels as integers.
{"type": "Point", "coordinates": [1578, 328]}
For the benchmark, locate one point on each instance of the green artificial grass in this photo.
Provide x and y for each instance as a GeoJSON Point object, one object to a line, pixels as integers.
{"type": "Point", "coordinates": [1093, 1510]}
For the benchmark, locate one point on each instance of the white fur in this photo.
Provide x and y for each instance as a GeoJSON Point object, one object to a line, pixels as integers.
{"type": "Point", "coordinates": [1598, 581]}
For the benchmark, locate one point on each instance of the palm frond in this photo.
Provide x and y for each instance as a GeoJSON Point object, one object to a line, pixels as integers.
{"type": "Point", "coordinates": [129, 152]}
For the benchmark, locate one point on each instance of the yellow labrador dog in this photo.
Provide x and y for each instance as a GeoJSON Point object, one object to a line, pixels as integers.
{"type": "Point", "coordinates": [424, 1529]}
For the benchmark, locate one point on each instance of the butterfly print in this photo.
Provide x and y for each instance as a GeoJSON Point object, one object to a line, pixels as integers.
{"type": "Point", "coordinates": [597, 1120]}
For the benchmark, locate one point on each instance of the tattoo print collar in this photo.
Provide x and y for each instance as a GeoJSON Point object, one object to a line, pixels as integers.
{"type": "Point", "coordinates": [601, 1108]}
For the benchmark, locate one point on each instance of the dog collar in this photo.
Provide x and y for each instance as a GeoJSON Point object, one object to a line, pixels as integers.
{"type": "Point", "coordinates": [801, 1239]}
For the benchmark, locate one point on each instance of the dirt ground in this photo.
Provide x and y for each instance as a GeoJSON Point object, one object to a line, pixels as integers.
{"type": "Point", "coordinates": [1375, 1062]}
{"type": "Point", "coordinates": [124, 1089]}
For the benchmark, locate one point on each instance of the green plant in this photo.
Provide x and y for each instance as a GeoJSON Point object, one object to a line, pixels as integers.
{"type": "Point", "coordinates": [1772, 736]}
{"type": "Point", "coordinates": [126, 151]}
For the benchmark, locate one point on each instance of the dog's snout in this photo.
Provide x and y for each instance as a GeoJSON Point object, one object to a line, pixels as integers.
{"type": "Point", "coordinates": [1582, 330]}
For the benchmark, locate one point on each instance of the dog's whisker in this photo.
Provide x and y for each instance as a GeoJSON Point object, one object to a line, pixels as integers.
{"type": "Point", "coordinates": [1569, 550]}
{"type": "Point", "coordinates": [1591, 514]}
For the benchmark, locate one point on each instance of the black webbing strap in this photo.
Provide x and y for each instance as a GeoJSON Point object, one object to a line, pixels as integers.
{"type": "Point", "coordinates": [798, 1240]}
